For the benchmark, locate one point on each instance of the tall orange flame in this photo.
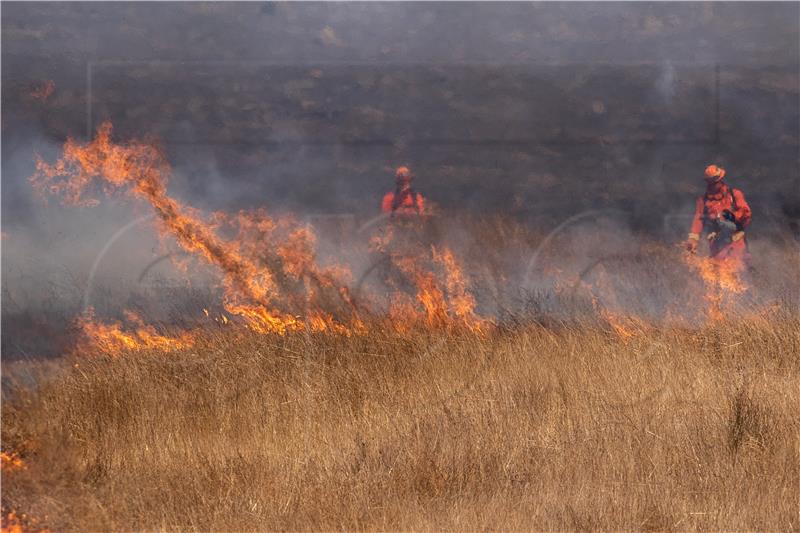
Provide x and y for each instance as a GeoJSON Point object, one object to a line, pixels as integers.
{"type": "Point", "coordinates": [248, 280]}
{"type": "Point", "coordinates": [442, 296]}
{"type": "Point", "coordinates": [270, 276]}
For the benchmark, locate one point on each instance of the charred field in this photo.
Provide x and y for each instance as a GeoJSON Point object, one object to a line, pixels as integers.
{"type": "Point", "coordinates": [226, 308]}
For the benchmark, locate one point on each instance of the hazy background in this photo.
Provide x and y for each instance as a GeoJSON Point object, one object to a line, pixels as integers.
{"type": "Point", "coordinates": [538, 111]}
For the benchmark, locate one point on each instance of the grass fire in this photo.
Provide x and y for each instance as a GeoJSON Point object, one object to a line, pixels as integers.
{"type": "Point", "coordinates": [320, 289]}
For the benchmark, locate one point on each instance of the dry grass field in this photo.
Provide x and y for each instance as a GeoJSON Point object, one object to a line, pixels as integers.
{"type": "Point", "coordinates": [212, 322]}
{"type": "Point", "coordinates": [523, 428]}
{"type": "Point", "coordinates": [434, 376]}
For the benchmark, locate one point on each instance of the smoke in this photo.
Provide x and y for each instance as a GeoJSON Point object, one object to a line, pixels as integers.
{"type": "Point", "coordinates": [539, 112]}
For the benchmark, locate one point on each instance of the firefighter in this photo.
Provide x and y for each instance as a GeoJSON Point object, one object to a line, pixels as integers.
{"type": "Point", "coordinates": [722, 214]}
{"type": "Point", "coordinates": [403, 239]}
{"type": "Point", "coordinates": [404, 200]}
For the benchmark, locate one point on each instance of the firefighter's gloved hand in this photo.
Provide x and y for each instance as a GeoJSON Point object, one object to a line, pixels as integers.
{"type": "Point", "coordinates": [691, 245]}
{"type": "Point", "coordinates": [712, 236]}
{"type": "Point", "coordinates": [737, 236]}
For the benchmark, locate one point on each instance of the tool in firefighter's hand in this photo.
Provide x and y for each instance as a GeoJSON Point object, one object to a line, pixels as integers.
{"type": "Point", "coordinates": [727, 221]}
{"type": "Point", "coordinates": [737, 224]}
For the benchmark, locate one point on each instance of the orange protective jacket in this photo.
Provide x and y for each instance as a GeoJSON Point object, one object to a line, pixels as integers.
{"type": "Point", "coordinates": [709, 214]}
{"type": "Point", "coordinates": [409, 202]}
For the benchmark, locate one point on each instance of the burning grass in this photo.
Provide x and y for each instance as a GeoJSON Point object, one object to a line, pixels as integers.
{"type": "Point", "coordinates": [646, 390]}
{"type": "Point", "coordinates": [268, 270]}
{"type": "Point", "coordinates": [526, 428]}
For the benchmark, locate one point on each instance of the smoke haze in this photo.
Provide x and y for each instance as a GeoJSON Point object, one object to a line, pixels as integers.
{"type": "Point", "coordinates": [535, 111]}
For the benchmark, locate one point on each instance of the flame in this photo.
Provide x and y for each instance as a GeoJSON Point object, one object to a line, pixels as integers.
{"type": "Point", "coordinates": [624, 325]}
{"type": "Point", "coordinates": [428, 295]}
{"type": "Point", "coordinates": [10, 461]}
{"type": "Point", "coordinates": [621, 324]}
{"type": "Point", "coordinates": [11, 524]}
{"type": "Point", "coordinates": [441, 292]}
{"type": "Point", "coordinates": [721, 279]}
{"type": "Point", "coordinates": [248, 264]}
{"type": "Point", "coordinates": [297, 252]}
{"type": "Point", "coordinates": [14, 523]}
{"type": "Point", "coordinates": [111, 337]}
{"type": "Point", "coordinates": [261, 320]}
{"type": "Point", "coordinates": [270, 277]}
{"type": "Point", "coordinates": [462, 303]}
{"type": "Point", "coordinates": [143, 171]}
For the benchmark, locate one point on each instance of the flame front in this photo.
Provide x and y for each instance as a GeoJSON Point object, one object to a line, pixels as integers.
{"type": "Point", "coordinates": [113, 337]}
{"type": "Point", "coordinates": [270, 277]}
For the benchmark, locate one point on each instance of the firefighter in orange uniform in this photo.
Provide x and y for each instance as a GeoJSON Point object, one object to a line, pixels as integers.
{"type": "Point", "coordinates": [723, 214]}
{"type": "Point", "coordinates": [404, 200]}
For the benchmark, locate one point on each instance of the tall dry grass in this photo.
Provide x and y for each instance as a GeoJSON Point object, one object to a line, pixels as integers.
{"type": "Point", "coordinates": [528, 428]}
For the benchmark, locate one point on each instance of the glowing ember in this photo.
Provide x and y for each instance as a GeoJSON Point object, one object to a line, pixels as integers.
{"type": "Point", "coordinates": [11, 461]}
{"type": "Point", "coordinates": [21, 523]}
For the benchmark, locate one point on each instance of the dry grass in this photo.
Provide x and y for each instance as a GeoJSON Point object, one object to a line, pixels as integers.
{"type": "Point", "coordinates": [530, 428]}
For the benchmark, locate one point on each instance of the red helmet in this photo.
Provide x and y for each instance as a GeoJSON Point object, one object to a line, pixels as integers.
{"type": "Point", "coordinates": [714, 173]}
{"type": "Point", "coordinates": [403, 175]}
